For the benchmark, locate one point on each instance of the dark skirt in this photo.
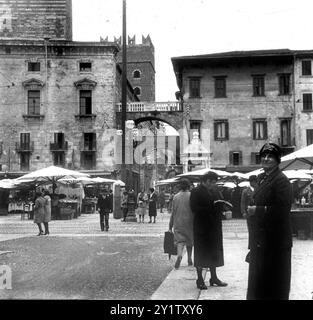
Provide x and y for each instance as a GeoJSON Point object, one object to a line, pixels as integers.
{"type": "Point", "coordinates": [208, 252]}
{"type": "Point", "coordinates": [152, 209]}
{"type": "Point", "coordinates": [269, 274]}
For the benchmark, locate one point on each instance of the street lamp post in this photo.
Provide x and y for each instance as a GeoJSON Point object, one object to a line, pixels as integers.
{"type": "Point", "coordinates": [124, 93]}
{"type": "Point", "coordinates": [130, 132]}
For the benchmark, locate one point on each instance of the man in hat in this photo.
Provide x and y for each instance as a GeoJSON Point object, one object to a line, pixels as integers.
{"type": "Point", "coordinates": [270, 233]}
{"type": "Point", "coordinates": [207, 229]}
{"type": "Point", "coordinates": [104, 208]}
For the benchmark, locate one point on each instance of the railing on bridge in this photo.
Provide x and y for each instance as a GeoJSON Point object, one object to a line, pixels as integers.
{"type": "Point", "coordinates": [151, 106]}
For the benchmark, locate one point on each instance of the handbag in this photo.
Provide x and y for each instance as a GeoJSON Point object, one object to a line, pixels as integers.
{"type": "Point", "coordinates": [169, 246]}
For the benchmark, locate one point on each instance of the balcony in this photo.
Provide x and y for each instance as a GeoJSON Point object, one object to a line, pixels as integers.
{"type": "Point", "coordinates": [24, 147]}
{"type": "Point", "coordinates": [151, 106]}
{"type": "Point", "coordinates": [286, 148]}
{"type": "Point", "coordinates": [59, 146]}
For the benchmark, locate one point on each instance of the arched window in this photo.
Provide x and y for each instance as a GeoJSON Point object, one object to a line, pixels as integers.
{"type": "Point", "coordinates": [137, 91]}
{"type": "Point", "coordinates": [136, 74]}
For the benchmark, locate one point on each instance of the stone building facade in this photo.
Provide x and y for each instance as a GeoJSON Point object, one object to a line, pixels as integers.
{"type": "Point", "coordinates": [58, 97]}
{"type": "Point", "coordinates": [35, 19]}
{"type": "Point", "coordinates": [303, 98]}
{"type": "Point", "coordinates": [238, 101]}
{"type": "Point", "coordinates": [58, 105]}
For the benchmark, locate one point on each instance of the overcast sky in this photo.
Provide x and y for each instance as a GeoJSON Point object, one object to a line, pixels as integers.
{"type": "Point", "coordinates": [192, 27]}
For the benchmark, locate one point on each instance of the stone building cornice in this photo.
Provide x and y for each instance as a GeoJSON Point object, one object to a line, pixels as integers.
{"type": "Point", "coordinates": [85, 84]}
{"type": "Point", "coordinates": [33, 84]}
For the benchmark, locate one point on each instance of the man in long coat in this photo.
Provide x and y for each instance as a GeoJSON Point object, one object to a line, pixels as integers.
{"type": "Point", "coordinates": [207, 227]}
{"type": "Point", "coordinates": [104, 208]}
{"type": "Point", "coordinates": [271, 233]}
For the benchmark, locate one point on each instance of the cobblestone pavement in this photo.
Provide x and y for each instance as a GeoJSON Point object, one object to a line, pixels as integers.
{"type": "Point", "coordinates": [235, 270]}
{"type": "Point", "coordinates": [12, 225]}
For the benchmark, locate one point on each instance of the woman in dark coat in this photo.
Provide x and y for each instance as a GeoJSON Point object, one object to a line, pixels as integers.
{"type": "Point", "coordinates": [270, 231]}
{"type": "Point", "coordinates": [207, 228]}
{"type": "Point", "coordinates": [39, 211]}
{"type": "Point", "coordinates": [152, 205]}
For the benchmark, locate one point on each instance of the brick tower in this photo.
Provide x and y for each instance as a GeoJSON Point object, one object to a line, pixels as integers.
{"type": "Point", "coordinates": [36, 19]}
{"type": "Point", "coordinates": [140, 66]}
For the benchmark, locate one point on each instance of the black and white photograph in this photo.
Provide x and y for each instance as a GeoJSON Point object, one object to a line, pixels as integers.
{"type": "Point", "coordinates": [156, 151]}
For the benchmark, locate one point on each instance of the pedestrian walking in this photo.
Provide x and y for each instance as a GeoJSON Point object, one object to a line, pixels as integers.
{"type": "Point", "coordinates": [207, 229]}
{"type": "Point", "coordinates": [182, 222]}
{"type": "Point", "coordinates": [271, 231]}
{"type": "Point", "coordinates": [47, 216]}
{"type": "Point", "coordinates": [39, 211]}
{"type": "Point", "coordinates": [124, 205]}
{"type": "Point", "coordinates": [161, 199]}
{"type": "Point", "coordinates": [142, 202]}
{"type": "Point", "coordinates": [170, 201]}
{"type": "Point", "coordinates": [104, 208]}
{"type": "Point", "coordinates": [111, 200]}
{"type": "Point", "coordinates": [152, 205]}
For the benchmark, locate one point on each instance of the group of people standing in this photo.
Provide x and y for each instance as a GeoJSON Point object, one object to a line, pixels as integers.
{"type": "Point", "coordinates": [142, 203]}
{"type": "Point", "coordinates": [197, 223]}
{"type": "Point", "coordinates": [42, 211]}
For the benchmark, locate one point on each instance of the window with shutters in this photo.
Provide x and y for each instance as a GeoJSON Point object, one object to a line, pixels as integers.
{"type": "Point", "coordinates": [25, 141]}
{"type": "Point", "coordinates": [85, 66]}
{"type": "Point", "coordinates": [235, 158]}
{"type": "Point", "coordinates": [258, 85]}
{"type": "Point", "coordinates": [284, 83]}
{"type": "Point", "coordinates": [88, 160]}
{"type": "Point", "coordinates": [307, 101]}
{"type": "Point", "coordinates": [306, 68]}
{"type": "Point", "coordinates": [220, 87]}
{"type": "Point", "coordinates": [85, 102]}
{"type": "Point", "coordinates": [309, 136]}
{"type": "Point", "coordinates": [90, 141]}
{"type": "Point", "coordinates": [221, 130]}
{"type": "Point", "coordinates": [259, 129]}
{"type": "Point", "coordinates": [59, 158]}
{"type": "Point", "coordinates": [194, 87]}
{"type": "Point", "coordinates": [285, 132]}
{"type": "Point", "coordinates": [33, 105]}
{"type": "Point", "coordinates": [59, 139]}
{"type": "Point", "coordinates": [24, 161]}
{"type": "Point", "coordinates": [255, 158]}
{"type": "Point", "coordinates": [88, 154]}
{"type": "Point", "coordinates": [33, 66]}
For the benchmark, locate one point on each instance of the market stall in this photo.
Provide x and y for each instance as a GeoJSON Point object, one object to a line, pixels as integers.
{"type": "Point", "coordinates": [66, 202]}
{"type": "Point", "coordinates": [302, 222]}
{"type": "Point", "coordinates": [68, 209]}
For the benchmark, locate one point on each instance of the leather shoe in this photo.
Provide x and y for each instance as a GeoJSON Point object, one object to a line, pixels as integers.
{"type": "Point", "coordinates": [178, 261]}
{"type": "Point", "coordinates": [201, 285]}
{"type": "Point", "coordinates": [217, 282]}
